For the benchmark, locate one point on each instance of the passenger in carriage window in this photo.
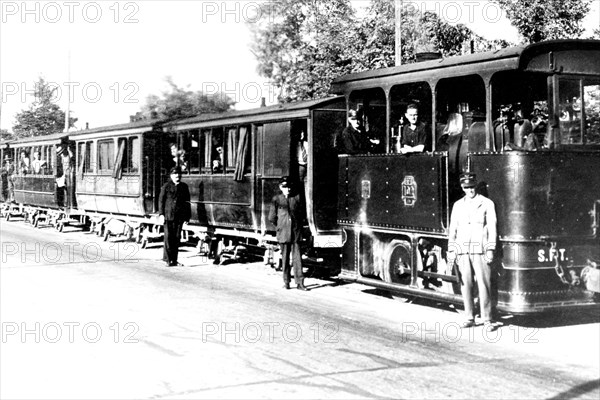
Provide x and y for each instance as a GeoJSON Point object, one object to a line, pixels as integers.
{"type": "Point", "coordinates": [178, 157]}
{"type": "Point", "coordinates": [218, 160]}
{"type": "Point", "coordinates": [24, 163]}
{"type": "Point", "coordinates": [415, 136]}
{"type": "Point", "coordinates": [8, 171]}
{"type": "Point", "coordinates": [38, 165]}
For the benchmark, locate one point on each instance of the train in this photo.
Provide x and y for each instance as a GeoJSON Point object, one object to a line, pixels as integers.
{"type": "Point", "coordinates": [529, 129]}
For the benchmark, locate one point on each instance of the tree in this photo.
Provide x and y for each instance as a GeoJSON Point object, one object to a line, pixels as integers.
{"type": "Point", "coordinates": [5, 135]}
{"type": "Point", "coordinates": [44, 117]}
{"type": "Point", "coordinates": [301, 45]}
{"type": "Point", "coordinates": [179, 102]}
{"type": "Point", "coordinates": [538, 20]}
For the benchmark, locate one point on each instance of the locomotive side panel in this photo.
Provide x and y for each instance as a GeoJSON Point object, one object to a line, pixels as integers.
{"type": "Point", "coordinates": [394, 191]}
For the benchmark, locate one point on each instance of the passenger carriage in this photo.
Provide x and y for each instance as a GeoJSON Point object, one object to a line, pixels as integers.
{"type": "Point", "coordinates": [395, 208]}
{"type": "Point", "coordinates": [233, 163]}
{"type": "Point", "coordinates": [118, 175]}
{"type": "Point", "coordinates": [43, 195]}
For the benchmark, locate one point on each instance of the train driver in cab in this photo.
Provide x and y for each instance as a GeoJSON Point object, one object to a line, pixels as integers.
{"type": "Point", "coordinates": [415, 136]}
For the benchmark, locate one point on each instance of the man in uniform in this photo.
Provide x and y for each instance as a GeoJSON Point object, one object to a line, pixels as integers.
{"type": "Point", "coordinates": [286, 215]}
{"type": "Point", "coordinates": [472, 243]}
{"type": "Point", "coordinates": [174, 209]}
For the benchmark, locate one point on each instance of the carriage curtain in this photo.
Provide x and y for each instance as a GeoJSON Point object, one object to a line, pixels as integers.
{"type": "Point", "coordinates": [232, 144]}
{"type": "Point", "coordinates": [82, 150]}
{"type": "Point", "coordinates": [118, 169]}
{"type": "Point", "coordinates": [241, 154]}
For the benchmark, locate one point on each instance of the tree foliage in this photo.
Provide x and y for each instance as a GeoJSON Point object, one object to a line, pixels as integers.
{"type": "Point", "coordinates": [44, 116]}
{"type": "Point", "coordinates": [178, 102]}
{"type": "Point", "coordinates": [5, 134]}
{"type": "Point", "coordinates": [302, 45]}
{"type": "Point", "coordinates": [538, 20]}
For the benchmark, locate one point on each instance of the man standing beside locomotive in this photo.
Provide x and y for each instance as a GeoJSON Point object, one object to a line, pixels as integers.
{"type": "Point", "coordinates": [471, 244]}
{"type": "Point", "coordinates": [286, 215]}
{"type": "Point", "coordinates": [174, 209]}
{"type": "Point", "coordinates": [415, 137]}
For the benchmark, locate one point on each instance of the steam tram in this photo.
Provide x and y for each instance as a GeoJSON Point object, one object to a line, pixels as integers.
{"type": "Point", "coordinates": [526, 120]}
{"type": "Point", "coordinates": [529, 128]}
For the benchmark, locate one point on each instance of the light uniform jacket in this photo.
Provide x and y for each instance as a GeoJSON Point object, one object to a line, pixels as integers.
{"type": "Point", "coordinates": [472, 226]}
{"type": "Point", "coordinates": [286, 215]}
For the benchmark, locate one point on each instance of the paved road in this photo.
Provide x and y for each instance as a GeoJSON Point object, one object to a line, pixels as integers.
{"type": "Point", "coordinates": [82, 318]}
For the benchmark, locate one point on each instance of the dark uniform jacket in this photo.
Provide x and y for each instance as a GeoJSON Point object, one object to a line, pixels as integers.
{"type": "Point", "coordinates": [352, 141]}
{"type": "Point", "coordinates": [174, 202]}
{"type": "Point", "coordinates": [286, 215]}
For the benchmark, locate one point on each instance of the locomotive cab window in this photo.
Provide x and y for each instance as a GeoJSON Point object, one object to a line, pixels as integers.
{"type": "Point", "coordinates": [370, 108]}
{"type": "Point", "coordinates": [403, 100]}
{"type": "Point", "coordinates": [520, 111]}
{"type": "Point", "coordinates": [579, 111]}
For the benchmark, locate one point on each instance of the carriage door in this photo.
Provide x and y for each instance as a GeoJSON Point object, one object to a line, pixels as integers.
{"type": "Point", "coordinates": [273, 162]}
{"type": "Point", "coordinates": [152, 172]}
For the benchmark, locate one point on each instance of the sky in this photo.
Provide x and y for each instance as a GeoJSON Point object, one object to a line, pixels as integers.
{"type": "Point", "coordinates": [107, 56]}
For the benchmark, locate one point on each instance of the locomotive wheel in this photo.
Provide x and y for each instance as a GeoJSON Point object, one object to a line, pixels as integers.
{"type": "Point", "coordinates": [398, 260]}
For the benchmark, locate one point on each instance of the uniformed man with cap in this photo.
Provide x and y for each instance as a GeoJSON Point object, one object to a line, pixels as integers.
{"type": "Point", "coordinates": [287, 216]}
{"type": "Point", "coordinates": [174, 209]}
{"type": "Point", "coordinates": [472, 243]}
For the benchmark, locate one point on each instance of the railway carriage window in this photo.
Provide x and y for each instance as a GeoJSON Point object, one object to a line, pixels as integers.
{"type": "Point", "coordinates": [579, 111]}
{"type": "Point", "coordinates": [133, 155]}
{"type": "Point", "coordinates": [48, 157]}
{"type": "Point", "coordinates": [84, 157]}
{"type": "Point", "coordinates": [217, 151]}
{"type": "Point", "coordinates": [206, 152]}
{"type": "Point", "coordinates": [418, 93]}
{"type": "Point", "coordinates": [370, 105]}
{"type": "Point", "coordinates": [106, 155]}
{"type": "Point", "coordinates": [193, 149]}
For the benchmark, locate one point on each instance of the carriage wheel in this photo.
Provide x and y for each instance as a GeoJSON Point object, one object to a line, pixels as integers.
{"type": "Point", "coordinates": [106, 235]}
{"type": "Point", "coordinates": [36, 222]}
{"type": "Point", "coordinates": [7, 217]}
{"type": "Point", "coordinates": [60, 227]}
{"type": "Point", "coordinates": [144, 243]}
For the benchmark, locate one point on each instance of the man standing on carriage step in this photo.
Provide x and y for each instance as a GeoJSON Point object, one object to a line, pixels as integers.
{"type": "Point", "coordinates": [471, 244]}
{"type": "Point", "coordinates": [286, 215]}
{"type": "Point", "coordinates": [174, 209]}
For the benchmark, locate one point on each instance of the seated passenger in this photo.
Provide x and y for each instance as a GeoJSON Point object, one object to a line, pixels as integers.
{"type": "Point", "coordinates": [415, 136]}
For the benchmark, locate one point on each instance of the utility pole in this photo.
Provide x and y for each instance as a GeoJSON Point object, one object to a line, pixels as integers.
{"type": "Point", "coordinates": [398, 16]}
{"type": "Point", "coordinates": [68, 112]}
